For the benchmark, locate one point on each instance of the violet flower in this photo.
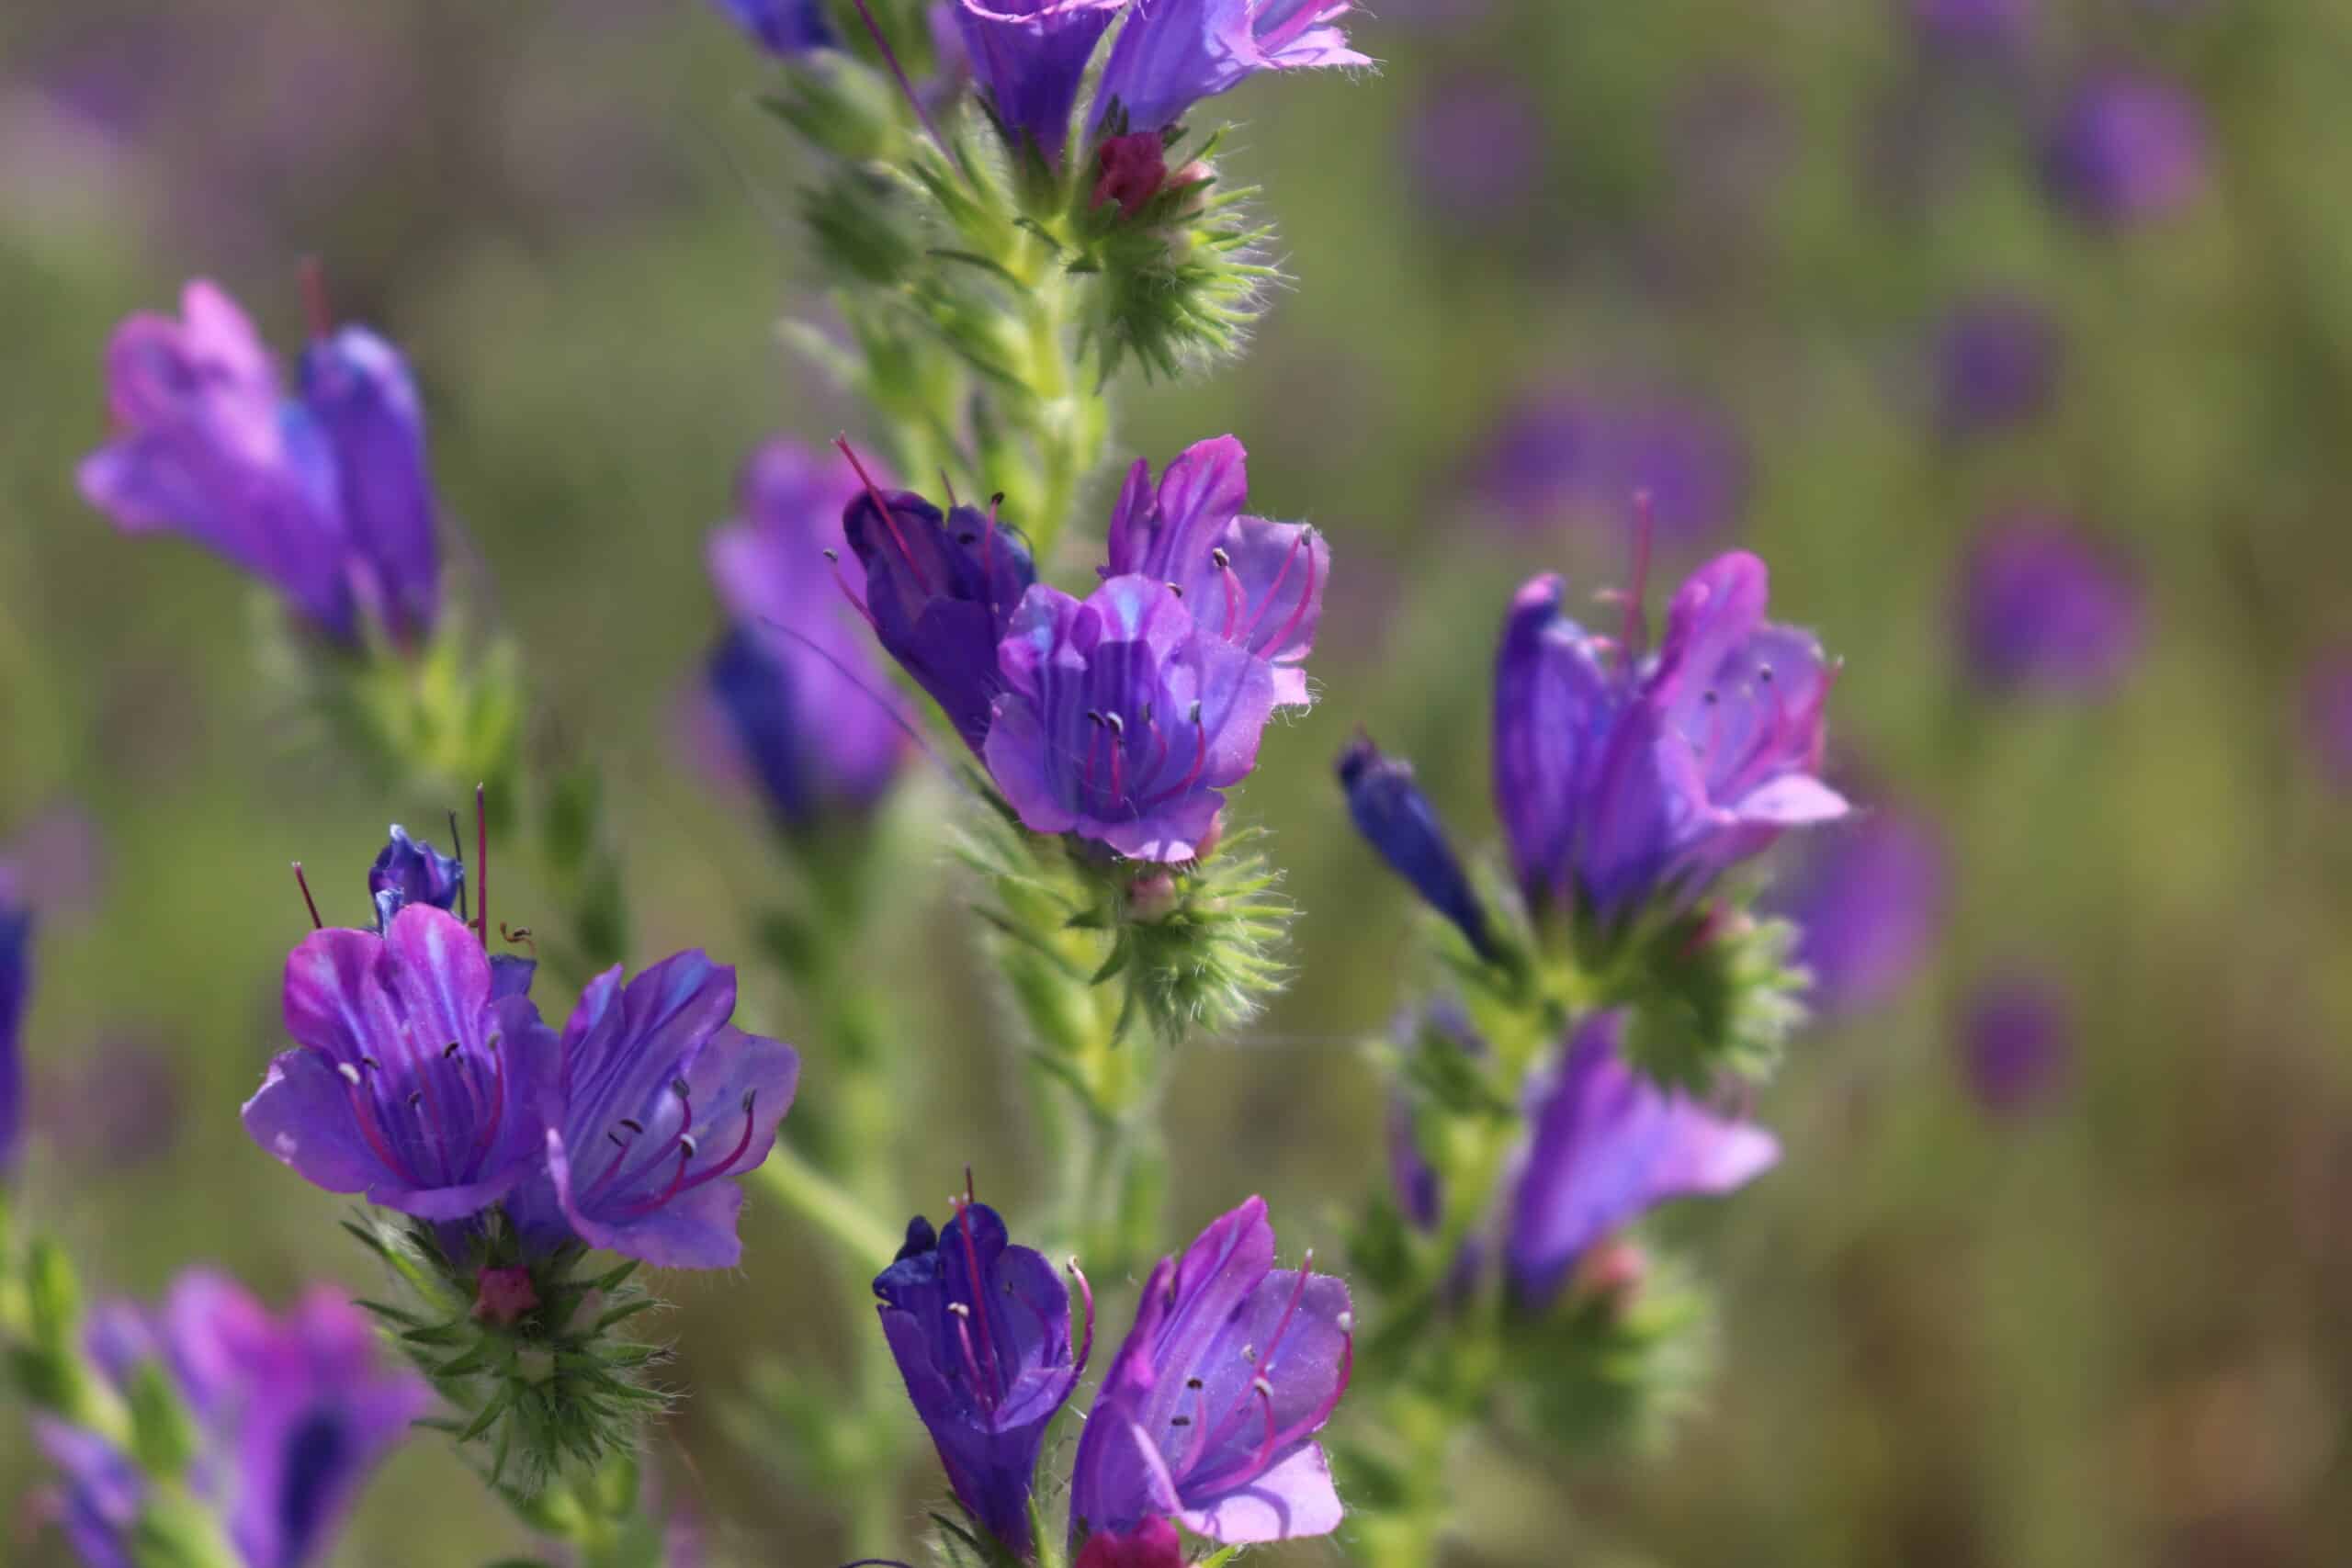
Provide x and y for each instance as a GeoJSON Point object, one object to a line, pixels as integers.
{"type": "Point", "coordinates": [1209, 1412]}
{"type": "Point", "coordinates": [323, 495]}
{"type": "Point", "coordinates": [1566, 451]}
{"type": "Point", "coordinates": [784, 28]}
{"type": "Point", "coordinates": [409, 870]}
{"type": "Point", "coordinates": [981, 1329]}
{"type": "Point", "coordinates": [1029, 57]}
{"type": "Point", "coordinates": [1868, 901]}
{"type": "Point", "coordinates": [2126, 149]}
{"type": "Point", "coordinates": [1995, 363]}
{"type": "Point", "coordinates": [1606, 1146]}
{"type": "Point", "coordinates": [1620, 777]}
{"type": "Point", "coordinates": [15, 984]}
{"type": "Point", "coordinates": [2327, 707]}
{"type": "Point", "coordinates": [1397, 820]}
{"type": "Point", "coordinates": [292, 1415]}
{"type": "Point", "coordinates": [411, 1082]}
{"type": "Point", "coordinates": [1256, 584]}
{"type": "Point", "coordinates": [940, 593]}
{"type": "Point", "coordinates": [796, 679]}
{"type": "Point", "coordinates": [658, 1102]}
{"type": "Point", "coordinates": [2046, 608]}
{"type": "Point", "coordinates": [1172, 53]}
{"type": "Point", "coordinates": [1122, 722]}
{"type": "Point", "coordinates": [2015, 1041]}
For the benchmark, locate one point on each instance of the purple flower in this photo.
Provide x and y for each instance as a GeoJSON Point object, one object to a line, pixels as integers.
{"type": "Point", "coordinates": [1029, 57]}
{"type": "Point", "coordinates": [1605, 1146]}
{"type": "Point", "coordinates": [1995, 363]}
{"type": "Point", "coordinates": [981, 1332]}
{"type": "Point", "coordinates": [940, 593]}
{"type": "Point", "coordinates": [1567, 452]}
{"type": "Point", "coordinates": [795, 679]}
{"type": "Point", "coordinates": [2015, 1041]}
{"type": "Point", "coordinates": [1209, 1414]}
{"type": "Point", "coordinates": [2126, 149]}
{"type": "Point", "coordinates": [657, 1103]}
{"type": "Point", "coordinates": [1256, 584]}
{"type": "Point", "coordinates": [2327, 705]}
{"type": "Point", "coordinates": [1120, 721]}
{"type": "Point", "coordinates": [1476, 146]}
{"type": "Point", "coordinates": [324, 495]}
{"type": "Point", "coordinates": [1397, 820]}
{"type": "Point", "coordinates": [1868, 899]}
{"type": "Point", "coordinates": [784, 28]}
{"type": "Point", "coordinates": [292, 1414]}
{"type": "Point", "coordinates": [409, 870]}
{"type": "Point", "coordinates": [2045, 608]}
{"type": "Point", "coordinates": [411, 1083]}
{"type": "Point", "coordinates": [16, 984]}
{"type": "Point", "coordinates": [1172, 53]}
{"type": "Point", "coordinates": [1989, 24]}
{"type": "Point", "coordinates": [1619, 777]}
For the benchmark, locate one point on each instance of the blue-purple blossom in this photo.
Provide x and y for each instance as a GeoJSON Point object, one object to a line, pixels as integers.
{"type": "Point", "coordinates": [15, 984]}
{"type": "Point", "coordinates": [1620, 777]}
{"type": "Point", "coordinates": [292, 1414]}
{"type": "Point", "coordinates": [941, 591]}
{"type": "Point", "coordinates": [1256, 584]}
{"type": "Point", "coordinates": [1606, 1146]}
{"type": "Point", "coordinates": [1868, 898]}
{"type": "Point", "coordinates": [1029, 57]}
{"type": "Point", "coordinates": [786, 28]}
{"type": "Point", "coordinates": [795, 681]}
{"type": "Point", "coordinates": [981, 1329]}
{"type": "Point", "coordinates": [1476, 146]}
{"type": "Point", "coordinates": [1209, 1412]}
{"type": "Point", "coordinates": [1120, 721]}
{"type": "Point", "coordinates": [1982, 24]}
{"type": "Point", "coordinates": [1170, 54]}
{"type": "Point", "coordinates": [1996, 358]}
{"type": "Point", "coordinates": [2047, 608]}
{"type": "Point", "coordinates": [1567, 452]}
{"type": "Point", "coordinates": [2016, 1043]}
{"type": "Point", "coordinates": [658, 1104]}
{"type": "Point", "coordinates": [2327, 709]}
{"type": "Point", "coordinates": [323, 495]}
{"type": "Point", "coordinates": [1397, 820]}
{"type": "Point", "coordinates": [409, 870]}
{"type": "Point", "coordinates": [2126, 149]}
{"type": "Point", "coordinates": [412, 1082]}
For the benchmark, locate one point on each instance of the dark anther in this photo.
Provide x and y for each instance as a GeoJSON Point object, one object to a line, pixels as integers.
{"type": "Point", "coordinates": [634, 1125]}
{"type": "Point", "coordinates": [680, 1088]}
{"type": "Point", "coordinates": [1220, 558]}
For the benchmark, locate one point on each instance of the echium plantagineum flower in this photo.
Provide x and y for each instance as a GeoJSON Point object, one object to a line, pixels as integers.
{"type": "Point", "coordinates": [1029, 58]}
{"type": "Point", "coordinates": [1605, 1146]}
{"type": "Point", "coordinates": [656, 1104]}
{"type": "Point", "coordinates": [292, 1414]}
{"type": "Point", "coordinates": [981, 1332]}
{"type": "Point", "coordinates": [323, 494]}
{"type": "Point", "coordinates": [1621, 776]}
{"type": "Point", "coordinates": [1868, 898]}
{"type": "Point", "coordinates": [15, 986]}
{"type": "Point", "coordinates": [786, 28]}
{"type": "Point", "coordinates": [1170, 54]}
{"type": "Point", "coordinates": [409, 870]}
{"type": "Point", "coordinates": [795, 680]}
{"type": "Point", "coordinates": [1209, 1414]}
{"type": "Point", "coordinates": [2126, 149]}
{"type": "Point", "coordinates": [2047, 608]}
{"type": "Point", "coordinates": [1397, 820]}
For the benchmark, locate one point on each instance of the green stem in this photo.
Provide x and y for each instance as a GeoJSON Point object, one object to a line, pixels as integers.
{"type": "Point", "coordinates": [825, 1203]}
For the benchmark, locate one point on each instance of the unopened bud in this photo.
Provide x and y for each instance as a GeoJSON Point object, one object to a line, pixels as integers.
{"type": "Point", "coordinates": [504, 1295]}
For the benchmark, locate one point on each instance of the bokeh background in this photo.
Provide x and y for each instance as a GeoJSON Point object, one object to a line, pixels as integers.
{"type": "Point", "coordinates": [2016, 334]}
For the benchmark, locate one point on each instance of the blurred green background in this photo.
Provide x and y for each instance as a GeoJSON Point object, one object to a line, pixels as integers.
{"type": "Point", "coordinates": [2103, 1327]}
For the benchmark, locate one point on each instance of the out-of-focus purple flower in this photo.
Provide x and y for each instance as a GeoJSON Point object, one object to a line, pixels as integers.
{"type": "Point", "coordinates": [941, 591]}
{"type": "Point", "coordinates": [1605, 1146]}
{"type": "Point", "coordinates": [1209, 1413]}
{"type": "Point", "coordinates": [2015, 1041]}
{"type": "Point", "coordinates": [795, 681]}
{"type": "Point", "coordinates": [1980, 24]}
{"type": "Point", "coordinates": [2046, 608]}
{"type": "Point", "coordinates": [1997, 359]}
{"type": "Point", "coordinates": [411, 1082]}
{"type": "Point", "coordinates": [1397, 820]}
{"type": "Point", "coordinates": [1172, 53]}
{"type": "Point", "coordinates": [2327, 707]}
{"type": "Point", "coordinates": [293, 1414]}
{"type": "Point", "coordinates": [1620, 777]}
{"type": "Point", "coordinates": [409, 870]}
{"type": "Point", "coordinates": [1029, 57]}
{"type": "Point", "coordinates": [1564, 452]}
{"type": "Point", "coordinates": [2126, 149]}
{"type": "Point", "coordinates": [981, 1329]}
{"type": "Point", "coordinates": [658, 1102]}
{"type": "Point", "coordinates": [15, 984]}
{"type": "Point", "coordinates": [786, 28]}
{"type": "Point", "coordinates": [1476, 146]}
{"type": "Point", "coordinates": [1255, 584]}
{"type": "Point", "coordinates": [1868, 899]}
{"type": "Point", "coordinates": [1120, 721]}
{"type": "Point", "coordinates": [1151, 1544]}
{"type": "Point", "coordinates": [114, 1102]}
{"type": "Point", "coordinates": [323, 495]}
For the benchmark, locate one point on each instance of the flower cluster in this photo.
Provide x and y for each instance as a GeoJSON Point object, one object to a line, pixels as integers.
{"type": "Point", "coordinates": [1123, 716]}
{"type": "Point", "coordinates": [1206, 1417]}
{"type": "Point", "coordinates": [323, 495]}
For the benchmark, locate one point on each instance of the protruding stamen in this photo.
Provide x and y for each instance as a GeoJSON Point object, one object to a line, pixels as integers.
{"type": "Point", "coordinates": [481, 863]}
{"type": "Point", "coordinates": [890, 58]}
{"type": "Point", "coordinates": [308, 902]}
{"type": "Point", "coordinates": [1637, 632]}
{"type": "Point", "coordinates": [457, 843]}
{"type": "Point", "coordinates": [1086, 1300]}
{"type": "Point", "coordinates": [350, 1074]}
{"type": "Point", "coordinates": [872, 491]}
{"type": "Point", "coordinates": [312, 275]}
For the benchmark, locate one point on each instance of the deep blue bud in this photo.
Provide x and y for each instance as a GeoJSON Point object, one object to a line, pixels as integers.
{"type": "Point", "coordinates": [1398, 819]}
{"type": "Point", "coordinates": [409, 870]}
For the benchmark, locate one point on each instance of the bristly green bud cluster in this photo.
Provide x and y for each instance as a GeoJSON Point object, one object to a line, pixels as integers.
{"type": "Point", "coordinates": [525, 1350]}
{"type": "Point", "coordinates": [1714, 994]}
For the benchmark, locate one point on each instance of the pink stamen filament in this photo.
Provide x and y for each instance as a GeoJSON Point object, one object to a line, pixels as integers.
{"type": "Point", "coordinates": [1274, 589]}
{"type": "Point", "coordinates": [1193, 776]}
{"type": "Point", "coordinates": [979, 1293]}
{"type": "Point", "coordinates": [872, 491]}
{"type": "Point", "coordinates": [1298, 612]}
{"type": "Point", "coordinates": [890, 58]}
{"type": "Point", "coordinates": [680, 1184]}
{"type": "Point", "coordinates": [481, 863]}
{"type": "Point", "coordinates": [833, 559]}
{"type": "Point", "coordinates": [614, 1175]}
{"type": "Point", "coordinates": [308, 902]}
{"type": "Point", "coordinates": [312, 273]}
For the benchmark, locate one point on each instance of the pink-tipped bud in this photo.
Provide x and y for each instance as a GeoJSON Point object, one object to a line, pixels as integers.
{"type": "Point", "coordinates": [504, 1295]}
{"type": "Point", "coordinates": [1132, 169]}
{"type": "Point", "coordinates": [1612, 1271]}
{"type": "Point", "coordinates": [1152, 896]}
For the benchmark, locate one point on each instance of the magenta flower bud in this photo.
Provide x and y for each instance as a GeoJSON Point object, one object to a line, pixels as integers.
{"type": "Point", "coordinates": [1151, 1544]}
{"type": "Point", "coordinates": [504, 1295]}
{"type": "Point", "coordinates": [1130, 170]}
